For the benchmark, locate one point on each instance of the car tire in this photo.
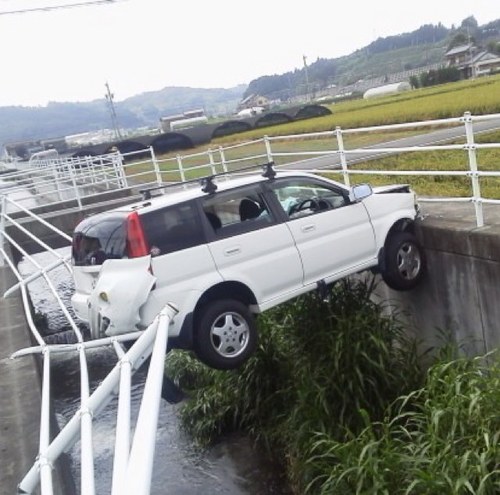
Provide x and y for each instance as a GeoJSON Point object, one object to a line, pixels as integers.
{"type": "Point", "coordinates": [404, 261]}
{"type": "Point", "coordinates": [225, 334]}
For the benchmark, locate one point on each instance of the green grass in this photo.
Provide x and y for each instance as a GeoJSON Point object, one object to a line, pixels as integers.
{"type": "Point", "coordinates": [441, 439]}
{"type": "Point", "coordinates": [446, 160]}
{"type": "Point", "coordinates": [337, 396]}
{"type": "Point", "coordinates": [479, 96]}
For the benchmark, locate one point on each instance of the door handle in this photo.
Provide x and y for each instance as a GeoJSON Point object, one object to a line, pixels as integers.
{"type": "Point", "coordinates": [233, 250]}
{"type": "Point", "coordinates": [308, 228]}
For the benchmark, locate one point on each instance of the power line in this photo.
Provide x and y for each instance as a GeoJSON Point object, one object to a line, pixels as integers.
{"type": "Point", "coordinates": [58, 7]}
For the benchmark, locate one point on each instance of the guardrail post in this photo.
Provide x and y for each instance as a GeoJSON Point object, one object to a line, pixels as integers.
{"type": "Point", "coordinates": [223, 159]}
{"type": "Point", "coordinates": [341, 151]}
{"type": "Point", "coordinates": [75, 187]}
{"type": "Point", "coordinates": [103, 173]}
{"type": "Point", "coordinates": [181, 168]}
{"type": "Point", "coordinates": [117, 160]}
{"type": "Point", "coordinates": [471, 150]}
{"type": "Point", "coordinates": [269, 151]}
{"type": "Point", "coordinates": [156, 165]}
{"type": "Point", "coordinates": [212, 161]}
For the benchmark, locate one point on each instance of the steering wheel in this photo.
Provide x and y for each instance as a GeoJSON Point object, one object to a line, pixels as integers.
{"type": "Point", "coordinates": [306, 204]}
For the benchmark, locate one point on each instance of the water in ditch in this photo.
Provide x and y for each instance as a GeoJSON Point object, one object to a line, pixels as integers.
{"type": "Point", "coordinates": [180, 468]}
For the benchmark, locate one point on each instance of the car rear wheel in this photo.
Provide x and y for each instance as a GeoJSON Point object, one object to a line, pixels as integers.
{"type": "Point", "coordinates": [225, 334]}
{"type": "Point", "coordinates": [404, 261]}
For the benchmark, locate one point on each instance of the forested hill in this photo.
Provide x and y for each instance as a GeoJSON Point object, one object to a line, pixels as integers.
{"type": "Point", "coordinates": [384, 56]}
{"type": "Point", "coordinates": [62, 119]}
{"type": "Point", "coordinates": [425, 45]}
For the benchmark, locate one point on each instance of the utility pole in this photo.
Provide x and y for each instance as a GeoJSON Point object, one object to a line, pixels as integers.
{"type": "Point", "coordinates": [472, 71]}
{"type": "Point", "coordinates": [307, 76]}
{"type": "Point", "coordinates": [114, 121]}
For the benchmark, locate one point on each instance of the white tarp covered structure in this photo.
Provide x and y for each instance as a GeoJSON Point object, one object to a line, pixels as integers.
{"type": "Point", "coordinates": [388, 89]}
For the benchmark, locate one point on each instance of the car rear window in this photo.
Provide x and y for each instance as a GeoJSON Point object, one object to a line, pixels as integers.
{"type": "Point", "coordinates": [99, 238]}
{"type": "Point", "coordinates": [172, 228]}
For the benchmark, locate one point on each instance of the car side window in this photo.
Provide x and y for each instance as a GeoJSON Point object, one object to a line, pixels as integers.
{"type": "Point", "coordinates": [172, 228]}
{"type": "Point", "coordinates": [237, 211]}
{"type": "Point", "coordinates": [301, 197]}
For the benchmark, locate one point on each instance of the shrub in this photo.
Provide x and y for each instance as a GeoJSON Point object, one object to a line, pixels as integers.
{"type": "Point", "coordinates": [441, 439]}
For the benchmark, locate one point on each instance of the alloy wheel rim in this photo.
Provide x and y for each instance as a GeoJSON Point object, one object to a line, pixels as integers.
{"type": "Point", "coordinates": [409, 261]}
{"type": "Point", "coordinates": [229, 334]}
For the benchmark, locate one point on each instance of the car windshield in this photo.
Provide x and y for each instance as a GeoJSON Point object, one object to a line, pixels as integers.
{"type": "Point", "coordinates": [99, 238]}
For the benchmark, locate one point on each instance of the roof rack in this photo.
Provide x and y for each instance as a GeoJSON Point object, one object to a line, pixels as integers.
{"type": "Point", "coordinates": [207, 183]}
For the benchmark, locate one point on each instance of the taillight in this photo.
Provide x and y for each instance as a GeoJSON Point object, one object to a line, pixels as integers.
{"type": "Point", "coordinates": [75, 247]}
{"type": "Point", "coordinates": [136, 241]}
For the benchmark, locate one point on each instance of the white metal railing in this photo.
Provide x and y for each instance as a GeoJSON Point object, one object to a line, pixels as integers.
{"type": "Point", "coordinates": [51, 181]}
{"type": "Point", "coordinates": [133, 461]}
{"type": "Point", "coordinates": [213, 161]}
{"type": "Point", "coordinates": [79, 178]}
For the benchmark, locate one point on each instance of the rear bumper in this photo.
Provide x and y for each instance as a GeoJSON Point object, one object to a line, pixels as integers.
{"type": "Point", "coordinates": [80, 303]}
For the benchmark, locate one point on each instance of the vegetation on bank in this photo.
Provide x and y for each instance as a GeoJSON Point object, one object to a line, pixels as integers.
{"type": "Point", "coordinates": [479, 96]}
{"type": "Point", "coordinates": [337, 396]}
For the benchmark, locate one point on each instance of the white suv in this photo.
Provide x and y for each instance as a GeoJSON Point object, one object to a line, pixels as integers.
{"type": "Point", "coordinates": [226, 251]}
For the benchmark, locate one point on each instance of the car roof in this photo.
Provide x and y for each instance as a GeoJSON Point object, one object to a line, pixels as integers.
{"type": "Point", "coordinates": [193, 190]}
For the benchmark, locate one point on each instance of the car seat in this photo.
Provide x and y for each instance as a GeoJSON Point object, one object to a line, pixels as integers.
{"type": "Point", "coordinates": [249, 209]}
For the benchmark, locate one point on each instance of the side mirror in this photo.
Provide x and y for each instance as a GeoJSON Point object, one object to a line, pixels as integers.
{"type": "Point", "coordinates": [361, 191]}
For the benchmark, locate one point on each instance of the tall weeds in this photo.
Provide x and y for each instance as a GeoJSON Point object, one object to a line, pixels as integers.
{"type": "Point", "coordinates": [336, 395]}
{"type": "Point", "coordinates": [440, 439]}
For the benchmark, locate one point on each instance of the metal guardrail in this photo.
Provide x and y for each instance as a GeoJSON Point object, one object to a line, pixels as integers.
{"type": "Point", "coordinates": [133, 460]}
{"type": "Point", "coordinates": [52, 181]}
{"type": "Point", "coordinates": [55, 180]}
{"type": "Point", "coordinates": [215, 161]}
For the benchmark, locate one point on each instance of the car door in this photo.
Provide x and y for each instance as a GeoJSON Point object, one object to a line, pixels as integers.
{"type": "Point", "coordinates": [250, 246]}
{"type": "Point", "coordinates": [333, 235]}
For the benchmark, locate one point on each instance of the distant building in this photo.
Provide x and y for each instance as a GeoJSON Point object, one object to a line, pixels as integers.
{"type": "Point", "coordinates": [253, 101]}
{"type": "Point", "coordinates": [177, 121]}
{"type": "Point", "coordinates": [472, 61]}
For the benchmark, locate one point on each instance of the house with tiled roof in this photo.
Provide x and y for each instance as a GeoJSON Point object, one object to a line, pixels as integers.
{"type": "Point", "coordinates": [472, 61]}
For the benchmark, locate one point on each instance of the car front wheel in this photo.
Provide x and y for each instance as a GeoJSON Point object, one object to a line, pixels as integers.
{"type": "Point", "coordinates": [404, 261]}
{"type": "Point", "coordinates": [225, 334]}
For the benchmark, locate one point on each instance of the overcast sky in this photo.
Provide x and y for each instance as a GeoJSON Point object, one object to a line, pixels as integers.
{"type": "Point", "coordinates": [146, 45]}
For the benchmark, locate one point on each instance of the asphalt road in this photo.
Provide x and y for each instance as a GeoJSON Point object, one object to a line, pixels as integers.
{"type": "Point", "coordinates": [440, 136]}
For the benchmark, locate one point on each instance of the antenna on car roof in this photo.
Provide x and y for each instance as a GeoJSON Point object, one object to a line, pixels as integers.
{"type": "Point", "coordinates": [146, 194]}
{"type": "Point", "coordinates": [207, 185]}
{"type": "Point", "coordinates": [268, 171]}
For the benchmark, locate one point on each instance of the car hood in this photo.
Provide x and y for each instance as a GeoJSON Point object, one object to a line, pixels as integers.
{"type": "Point", "coordinates": [395, 188]}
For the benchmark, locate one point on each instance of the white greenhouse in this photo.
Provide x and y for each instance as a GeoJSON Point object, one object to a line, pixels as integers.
{"type": "Point", "coordinates": [388, 89]}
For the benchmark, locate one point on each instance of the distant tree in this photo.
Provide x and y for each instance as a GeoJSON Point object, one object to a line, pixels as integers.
{"type": "Point", "coordinates": [469, 23]}
{"type": "Point", "coordinates": [459, 39]}
{"type": "Point", "coordinates": [414, 82]}
{"type": "Point", "coordinates": [439, 76]}
{"type": "Point", "coordinates": [494, 47]}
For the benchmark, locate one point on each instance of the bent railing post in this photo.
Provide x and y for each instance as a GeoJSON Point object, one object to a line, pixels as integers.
{"type": "Point", "coordinates": [140, 464]}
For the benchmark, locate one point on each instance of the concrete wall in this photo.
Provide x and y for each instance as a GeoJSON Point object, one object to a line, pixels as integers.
{"type": "Point", "coordinates": [461, 291]}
